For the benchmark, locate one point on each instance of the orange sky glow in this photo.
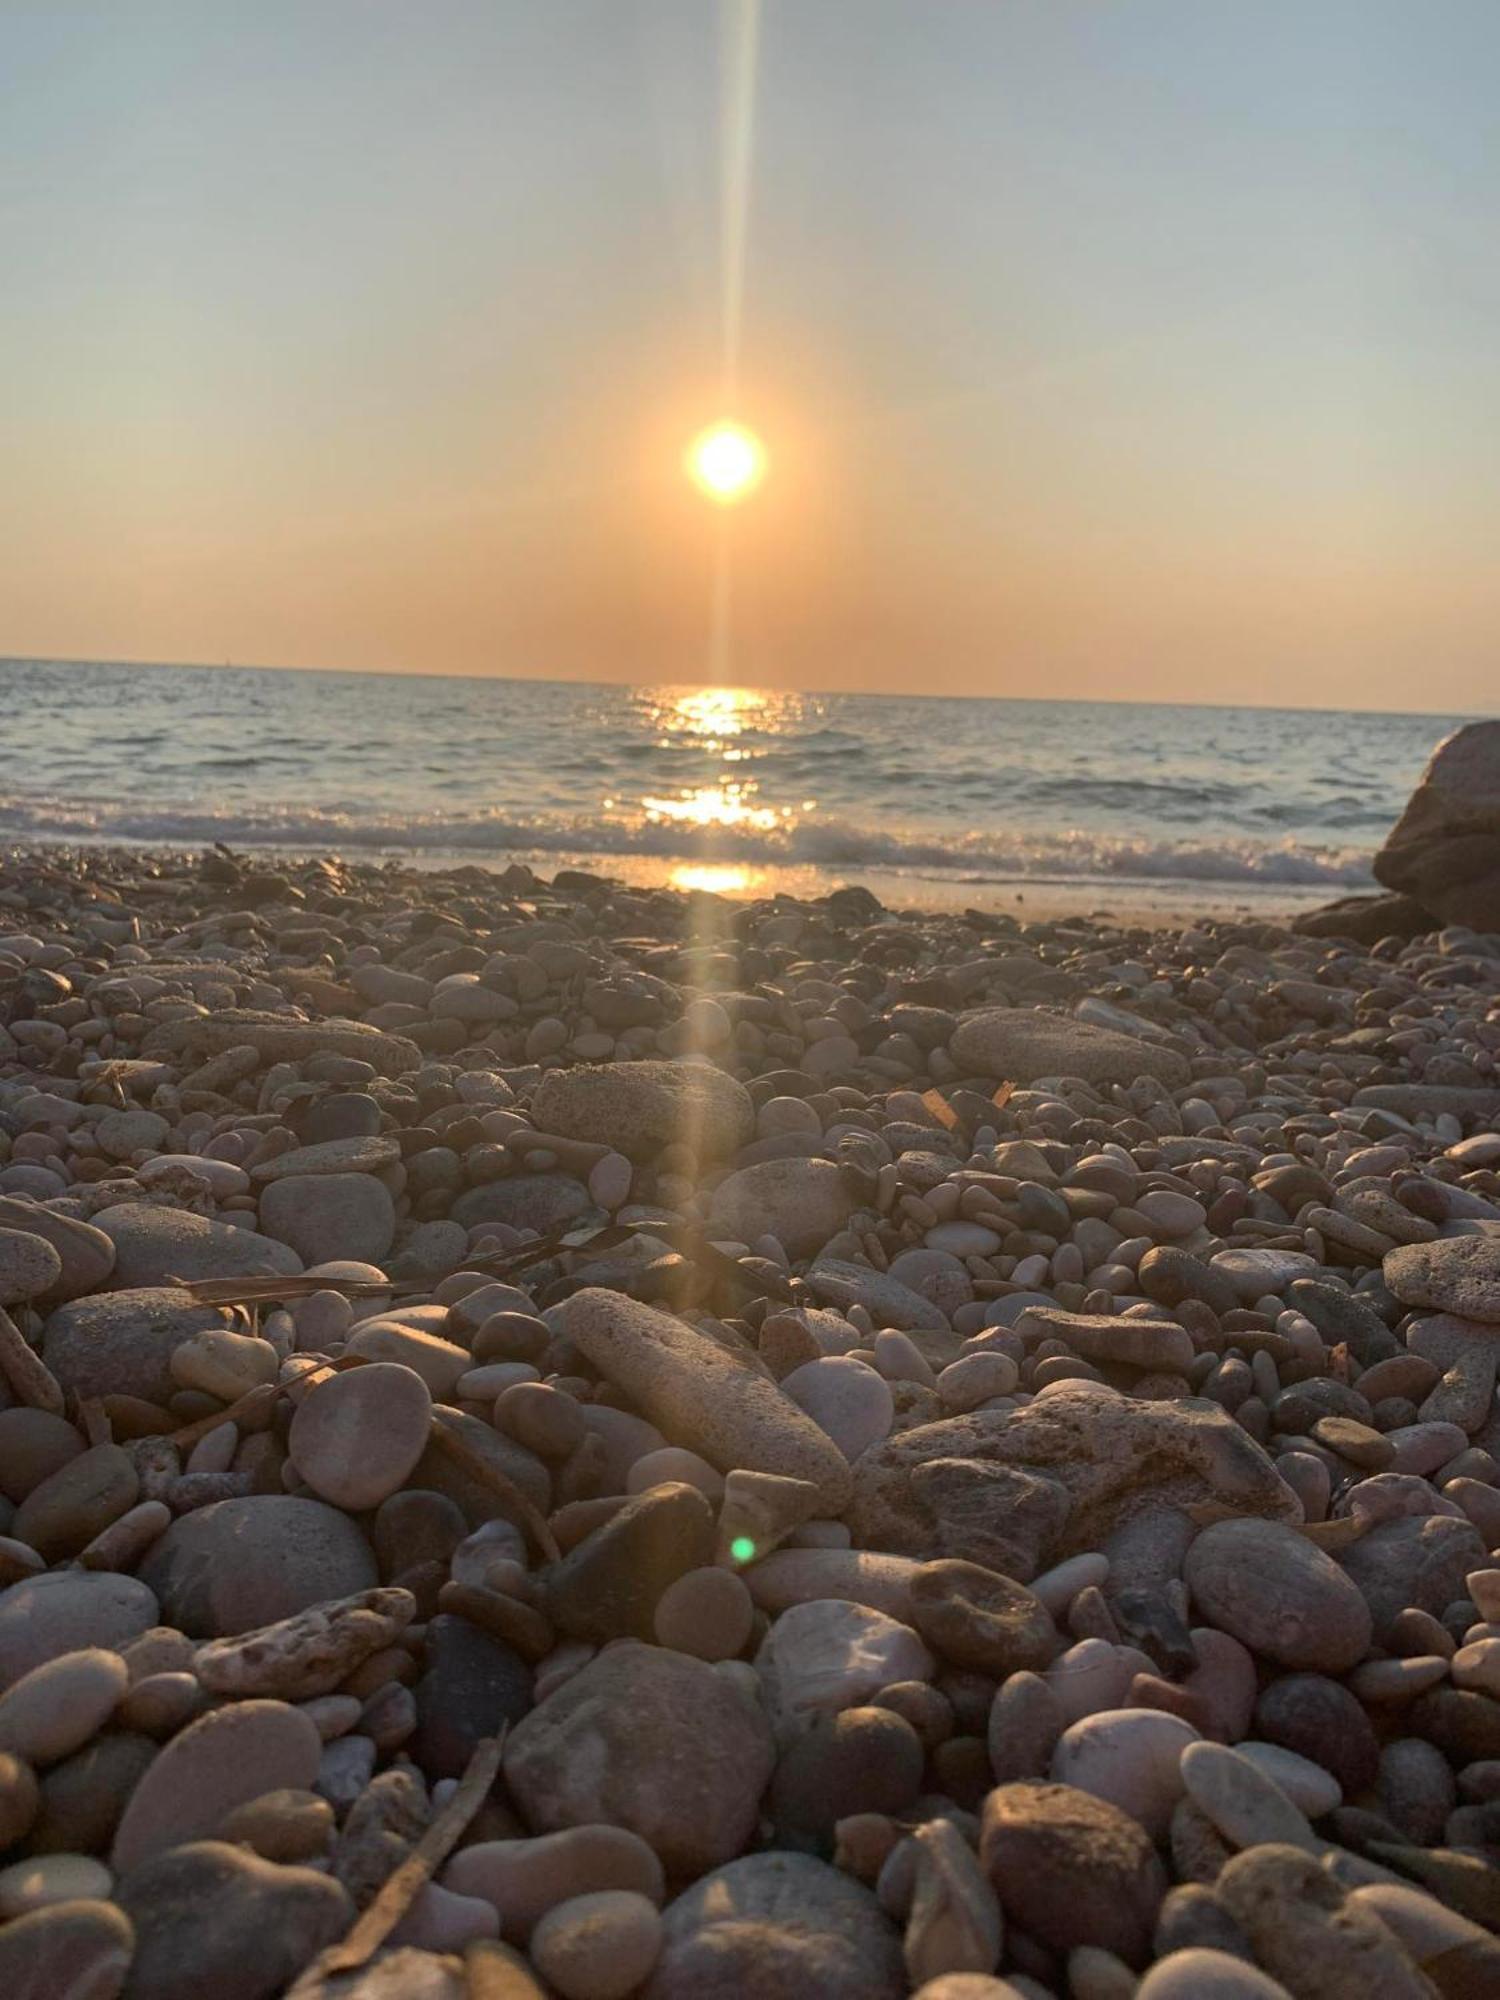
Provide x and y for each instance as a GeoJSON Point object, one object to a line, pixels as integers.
{"type": "Point", "coordinates": [1096, 352]}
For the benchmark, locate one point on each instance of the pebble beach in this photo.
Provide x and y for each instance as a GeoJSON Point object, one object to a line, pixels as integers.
{"type": "Point", "coordinates": [570, 1439]}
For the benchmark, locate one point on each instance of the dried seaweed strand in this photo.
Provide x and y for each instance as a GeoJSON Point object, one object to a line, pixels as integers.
{"type": "Point", "coordinates": [26, 1372]}
{"type": "Point", "coordinates": [463, 1454]}
{"type": "Point", "coordinates": [401, 1889]}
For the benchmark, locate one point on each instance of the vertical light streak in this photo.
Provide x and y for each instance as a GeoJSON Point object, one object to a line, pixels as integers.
{"type": "Point", "coordinates": [739, 50]}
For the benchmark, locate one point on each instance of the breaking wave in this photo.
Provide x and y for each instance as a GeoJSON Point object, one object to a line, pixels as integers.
{"type": "Point", "coordinates": [829, 843]}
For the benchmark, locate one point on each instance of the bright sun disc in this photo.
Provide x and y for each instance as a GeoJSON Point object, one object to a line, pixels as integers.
{"type": "Point", "coordinates": [726, 462]}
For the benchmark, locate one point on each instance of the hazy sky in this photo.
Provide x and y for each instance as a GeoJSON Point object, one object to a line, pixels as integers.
{"type": "Point", "coordinates": [1146, 348]}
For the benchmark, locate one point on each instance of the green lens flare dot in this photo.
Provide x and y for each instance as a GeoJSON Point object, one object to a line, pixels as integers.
{"type": "Point", "coordinates": [742, 1548]}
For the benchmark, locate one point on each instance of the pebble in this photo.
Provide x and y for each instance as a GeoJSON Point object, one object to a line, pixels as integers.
{"type": "Point", "coordinates": [356, 1437]}
{"type": "Point", "coordinates": [210, 1918]}
{"type": "Point", "coordinates": [1019, 1043]}
{"type": "Point", "coordinates": [979, 1620]}
{"type": "Point", "coordinates": [61, 1516]}
{"type": "Point", "coordinates": [19, 1799]}
{"type": "Point", "coordinates": [524, 1879]}
{"type": "Point", "coordinates": [309, 1654]}
{"type": "Point", "coordinates": [1201, 1973]}
{"type": "Point", "coordinates": [121, 1343]}
{"type": "Point", "coordinates": [29, 1266]}
{"type": "Point", "coordinates": [636, 1108]}
{"type": "Point", "coordinates": [285, 1825]}
{"type": "Point", "coordinates": [157, 1246]}
{"type": "Point", "coordinates": [1242, 1799]}
{"type": "Point", "coordinates": [862, 1760]}
{"type": "Point", "coordinates": [610, 1585]}
{"type": "Point", "coordinates": [473, 1686]}
{"type": "Point", "coordinates": [75, 1950]}
{"type": "Point", "coordinates": [650, 1740]}
{"type": "Point", "coordinates": [219, 1762]}
{"type": "Point", "coordinates": [827, 1655]}
{"type": "Point", "coordinates": [51, 1879]}
{"type": "Point", "coordinates": [67, 1611]}
{"type": "Point", "coordinates": [1310, 1788]}
{"type": "Point", "coordinates": [1071, 1869]}
{"type": "Point", "coordinates": [706, 1612]}
{"type": "Point", "coordinates": [1286, 1600]}
{"type": "Point", "coordinates": [699, 1396]}
{"type": "Point", "coordinates": [773, 1924]}
{"type": "Point", "coordinates": [1129, 1757]}
{"type": "Point", "coordinates": [84, 1797]}
{"type": "Point", "coordinates": [911, 1513]}
{"type": "Point", "coordinates": [1301, 1926]}
{"type": "Point", "coordinates": [1319, 1719]}
{"type": "Point", "coordinates": [55, 1709]}
{"type": "Point", "coordinates": [599, 1946]}
{"type": "Point", "coordinates": [799, 1202]}
{"type": "Point", "coordinates": [849, 1400]}
{"type": "Point", "coordinates": [241, 1563]}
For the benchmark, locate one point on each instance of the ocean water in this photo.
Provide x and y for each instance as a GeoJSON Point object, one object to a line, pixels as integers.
{"type": "Point", "coordinates": [930, 801]}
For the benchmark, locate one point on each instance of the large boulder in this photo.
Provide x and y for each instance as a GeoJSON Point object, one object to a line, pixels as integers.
{"type": "Point", "coordinates": [321, 1218]}
{"type": "Point", "coordinates": [279, 1038]}
{"type": "Point", "coordinates": [800, 1202]}
{"type": "Point", "coordinates": [122, 1343]}
{"type": "Point", "coordinates": [1023, 1044]}
{"type": "Point", "coordinates": [86, 1254]}
{"type": "Point", "coordinates": [1367, 919]}
{"type": "Point", "coordinates": [639, 1107]}
{"type": "Point", "coordinates": [650, 1740]}
{"type": "Point", "coordinates": [156, 1246]}
{"type": "Point", "coordinates": [236, 1564]}
{"type": "Point", "coordinates": [698, 1393]}
{"type": "Point", "coordinates": [774, 1925]}
{"type": "Point", "coordinates": [1012, 1490]}
{"type": "Point", "coordinates": [1445, 848]}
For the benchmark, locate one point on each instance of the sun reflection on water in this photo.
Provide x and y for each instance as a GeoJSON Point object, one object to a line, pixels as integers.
{"type": "Point", "coordinates": [724, 727]}
{"type": "Point", "coordinates": [715, 805]}
{"type": "Point", "coordinates": [714, 878]}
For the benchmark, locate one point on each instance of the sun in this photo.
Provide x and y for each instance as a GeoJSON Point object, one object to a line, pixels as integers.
{"type": "Point", "coordinates": [727, 462]}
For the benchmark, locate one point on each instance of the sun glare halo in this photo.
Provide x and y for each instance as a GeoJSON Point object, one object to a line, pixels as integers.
{"type": "Point", "coordinates": [726, 462]}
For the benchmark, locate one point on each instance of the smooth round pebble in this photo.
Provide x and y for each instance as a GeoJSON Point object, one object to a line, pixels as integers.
{"type": "Point", "coordinates": [52, 1878]}
{"type": "Point", "coordinates": [57, 1707]}
{"type": "Point", "coordinates": [1201, 1973]}
{"type": "Point", "coordinates": [1129, 1756]}
{"type": "Point", "coordinates": [357, 1435]}
{"type": "Point", "coordinates": [1270, 1588]}
{"type": "Point", "coordinates": [846, 1398]}
{"type": "Point", "coordinates": [598, 1947]}
{"type": "Point", "coordinates": [79, 1949]}
{"type": "Point", "coordinates": [706, 1612]}
{"type": "Point", "coordinates": [1309, 1787]}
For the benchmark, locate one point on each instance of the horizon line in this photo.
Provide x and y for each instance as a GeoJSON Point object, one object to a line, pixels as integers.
{"type": "Point", "coordinates": [749, 687]}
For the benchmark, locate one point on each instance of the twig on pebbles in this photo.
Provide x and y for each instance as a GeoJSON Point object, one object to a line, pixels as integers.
{"type": "Point", "coordinates": [95, 1421]}
{"type": "Point", "coordinates": [28, 1375]}
{"type": "Point", "coordinates": [401, 1889]}
{"type": "Point", "coordinates": [251, 1404]}
{"type": "Point", "coordinates": [468, 1460]}
{"type": "Point", "coordinates": [272, 1291]}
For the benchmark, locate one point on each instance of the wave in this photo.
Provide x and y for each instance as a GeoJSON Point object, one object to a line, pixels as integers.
{"type": "Point", "coordinates": [842, 845]}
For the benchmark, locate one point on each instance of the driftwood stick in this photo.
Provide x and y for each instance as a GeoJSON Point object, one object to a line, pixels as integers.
{"type": "Point", "coordinates": [26, 1372]}
{"type": "Point", "coordinates": [521, 1511]}
{"type": "Point", "coordinates": [401, 1889]}
{"type": "Point", "coordinates": [96, 1424]}
{"type": "Point", "coordinates": [252, 1403]}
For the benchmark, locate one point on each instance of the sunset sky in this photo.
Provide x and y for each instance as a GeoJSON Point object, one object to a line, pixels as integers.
{"type": "Point", "coordinates": [1136, 348]}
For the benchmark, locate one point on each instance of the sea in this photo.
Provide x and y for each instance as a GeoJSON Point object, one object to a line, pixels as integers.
{"type": "Point", "coordinates": [1039, 806]}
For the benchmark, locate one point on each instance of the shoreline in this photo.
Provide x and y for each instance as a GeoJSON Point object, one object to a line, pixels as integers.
{"type": "Point", "coordinates": [1128, 902]}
